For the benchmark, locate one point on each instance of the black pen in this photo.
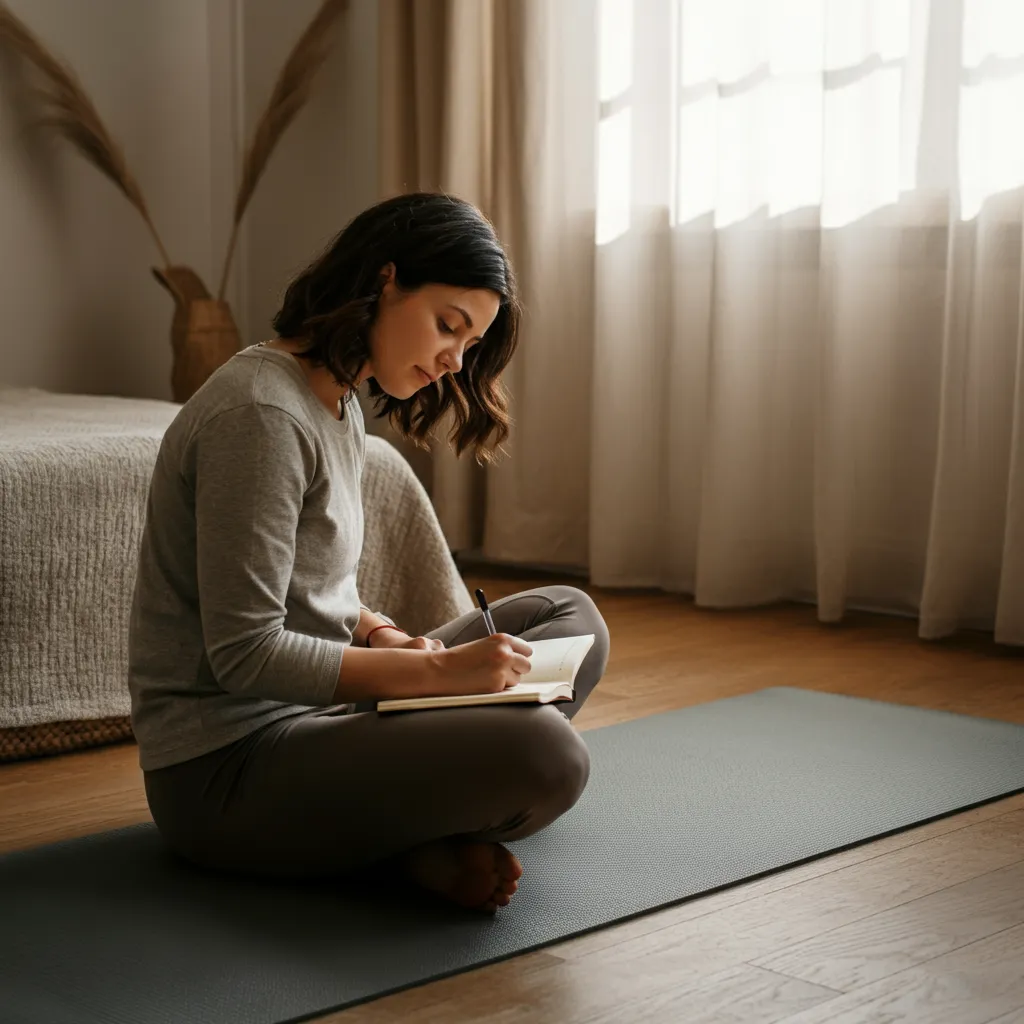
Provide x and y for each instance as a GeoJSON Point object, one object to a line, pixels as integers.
{"type": "Point", "coordinates": [488, 621]}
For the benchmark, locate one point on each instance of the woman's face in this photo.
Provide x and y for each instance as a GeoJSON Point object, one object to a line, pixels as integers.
{"type": "Point", "coordinates": [419, 336]}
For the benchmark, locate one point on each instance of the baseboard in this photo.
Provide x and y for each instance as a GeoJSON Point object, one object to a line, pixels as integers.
{"type": "Point", "coordinates": [475, 561]}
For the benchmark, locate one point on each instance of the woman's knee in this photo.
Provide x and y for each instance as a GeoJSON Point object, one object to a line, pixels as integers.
{"type": "Point", "coordinates": [571, 601]}
{"type": "Point", "coordinates": [551, 761]}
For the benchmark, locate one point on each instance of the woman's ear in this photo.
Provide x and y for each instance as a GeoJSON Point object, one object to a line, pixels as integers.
{"type": "Point", "coordinates": [386, 277]}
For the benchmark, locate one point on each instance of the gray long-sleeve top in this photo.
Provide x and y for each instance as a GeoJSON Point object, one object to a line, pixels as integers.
{"type": "Point", "coordinates": [246, 594]}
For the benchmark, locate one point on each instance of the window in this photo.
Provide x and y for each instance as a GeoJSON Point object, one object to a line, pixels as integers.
{"type": "Point", "coordinates": [844, 107]}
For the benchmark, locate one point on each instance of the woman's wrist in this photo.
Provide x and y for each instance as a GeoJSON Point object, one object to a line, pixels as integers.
{"type": "Point", "coordinates": [385, 626]}
{"type": "Point", "coordinates": [432, 672]}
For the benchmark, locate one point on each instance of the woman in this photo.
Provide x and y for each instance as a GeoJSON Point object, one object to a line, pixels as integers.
{"type": "Point", "coordinates": [250, 653]}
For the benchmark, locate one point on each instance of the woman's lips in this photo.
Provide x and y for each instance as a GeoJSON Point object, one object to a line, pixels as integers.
{"type": "Point", "coordinates": [426, 376]}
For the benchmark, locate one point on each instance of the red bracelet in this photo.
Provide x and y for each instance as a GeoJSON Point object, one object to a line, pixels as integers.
{"type": "Point", "coordinates": [386, 625]}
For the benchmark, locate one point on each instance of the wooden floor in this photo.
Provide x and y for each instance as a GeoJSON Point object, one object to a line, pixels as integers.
{"type": "Point", "coordinates": [926, 926]}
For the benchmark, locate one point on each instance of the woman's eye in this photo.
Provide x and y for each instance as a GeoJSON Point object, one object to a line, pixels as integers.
{"type": "Point", "coordinates": [445, 329]}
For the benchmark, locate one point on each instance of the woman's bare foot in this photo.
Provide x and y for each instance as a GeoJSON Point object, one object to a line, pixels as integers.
{"type": "Point", "coordinates": [478, 876]}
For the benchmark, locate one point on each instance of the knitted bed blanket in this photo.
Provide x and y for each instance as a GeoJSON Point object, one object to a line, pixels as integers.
{"type": "Point", "coordinates": [74, 477]}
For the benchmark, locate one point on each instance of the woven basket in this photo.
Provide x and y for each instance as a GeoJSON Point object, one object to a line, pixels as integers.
{"type": "Point", "coordinates": [203, 331]}
{"type": "Point", "coordinates": [28, 741]}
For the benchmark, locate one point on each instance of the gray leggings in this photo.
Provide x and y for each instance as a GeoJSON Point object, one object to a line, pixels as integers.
{"type": "Point", "coordinates": [328, 790]}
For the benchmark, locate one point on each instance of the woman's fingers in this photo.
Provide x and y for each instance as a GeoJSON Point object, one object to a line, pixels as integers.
{"type": "Point", "coordinates": [520, 664]}
{"type": "Point", "coordinates": [517, 645]}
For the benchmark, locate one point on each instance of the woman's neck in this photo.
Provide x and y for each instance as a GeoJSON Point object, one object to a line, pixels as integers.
{"type": "Point", "coordinates": [323, 385]}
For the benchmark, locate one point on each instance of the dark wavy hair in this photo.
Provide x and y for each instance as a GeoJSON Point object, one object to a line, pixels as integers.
{"type": "Point", "coordinates": [431, 238]}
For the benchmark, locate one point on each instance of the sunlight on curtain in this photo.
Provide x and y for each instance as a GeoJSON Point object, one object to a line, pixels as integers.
{"type": "Point", "coordinates": [615, 127]}
{"type": "Point", "coordinates": [786, 104]}
{"type": "Point", "coordinates": [991, 152]}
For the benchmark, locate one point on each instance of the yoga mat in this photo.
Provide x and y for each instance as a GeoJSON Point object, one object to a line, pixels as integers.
{"type": "Point", "coordinates": [110, 928]}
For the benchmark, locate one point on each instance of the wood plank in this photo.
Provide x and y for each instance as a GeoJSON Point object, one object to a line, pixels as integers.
{"type": "Point", "coordinates": [56, 798]}
{"type": "Point", "coordinates": [666, 996]}
{"type": "Point", "coordinates": [741, 993]}
{"type": "Point", "coordinates": [478, 995]}
{"type": "Point", "coordinates": [973, 985]}
{"type": "Point", "coordinates": [558, 992]}
{"type": "Point", "coordinates": [889, 942]}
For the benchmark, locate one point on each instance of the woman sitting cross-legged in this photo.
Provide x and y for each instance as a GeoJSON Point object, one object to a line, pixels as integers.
{"type": "Point", "coordinates": [253, 666]}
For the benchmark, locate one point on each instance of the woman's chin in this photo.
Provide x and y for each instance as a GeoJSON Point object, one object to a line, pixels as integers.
{"type": "Point", "coordinates": [402, 389]}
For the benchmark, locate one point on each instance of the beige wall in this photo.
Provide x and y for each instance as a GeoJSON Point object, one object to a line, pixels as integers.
{"type": "Point", "coordinates": [176, 81]}
{"type": "Point", "coordinates": [325, 171]}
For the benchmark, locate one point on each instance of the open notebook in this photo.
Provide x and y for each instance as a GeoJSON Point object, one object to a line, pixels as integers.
{"type": "Point", "coordinates": [553, 668]}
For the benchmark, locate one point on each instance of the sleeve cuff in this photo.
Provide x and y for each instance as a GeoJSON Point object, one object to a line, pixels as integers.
{"type": "Point", "coordinates": [331, 656]}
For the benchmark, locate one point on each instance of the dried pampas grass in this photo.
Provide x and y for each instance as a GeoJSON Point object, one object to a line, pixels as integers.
{"type": "Point", "coordinates": [203, 332]}
{"type": "Point", "coordinates": [71, 113]}
{"type": "Point", "coordinates": [289, 95]}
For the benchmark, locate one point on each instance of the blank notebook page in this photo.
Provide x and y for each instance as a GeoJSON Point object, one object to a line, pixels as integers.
{"type": "Point", "coordinates": [553, 661]}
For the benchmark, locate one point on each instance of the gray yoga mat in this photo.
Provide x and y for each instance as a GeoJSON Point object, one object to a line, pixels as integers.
{"type": "Point", "coordinates": [111, 929]}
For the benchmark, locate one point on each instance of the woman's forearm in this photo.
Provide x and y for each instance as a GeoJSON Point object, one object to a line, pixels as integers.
{"type": "Point", "coordinates": [385, 674]}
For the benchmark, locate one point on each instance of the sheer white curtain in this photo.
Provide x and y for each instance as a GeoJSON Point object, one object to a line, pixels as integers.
{"type": "Point", "coordinates": [808, 365]}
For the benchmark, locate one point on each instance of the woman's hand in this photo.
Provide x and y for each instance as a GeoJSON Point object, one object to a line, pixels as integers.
{"type": "Point", "coordinates": [481, 666]}
{"type": "Point", "coordinates": [394, 640]}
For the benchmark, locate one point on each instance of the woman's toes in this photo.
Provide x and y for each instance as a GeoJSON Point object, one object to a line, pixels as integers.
{"type": "Point", "coordinates": [507, 886]}
{"type": "Point", "coordinates": [507, 863]}
{"type": "Point", "coordinates": [474, 875]}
